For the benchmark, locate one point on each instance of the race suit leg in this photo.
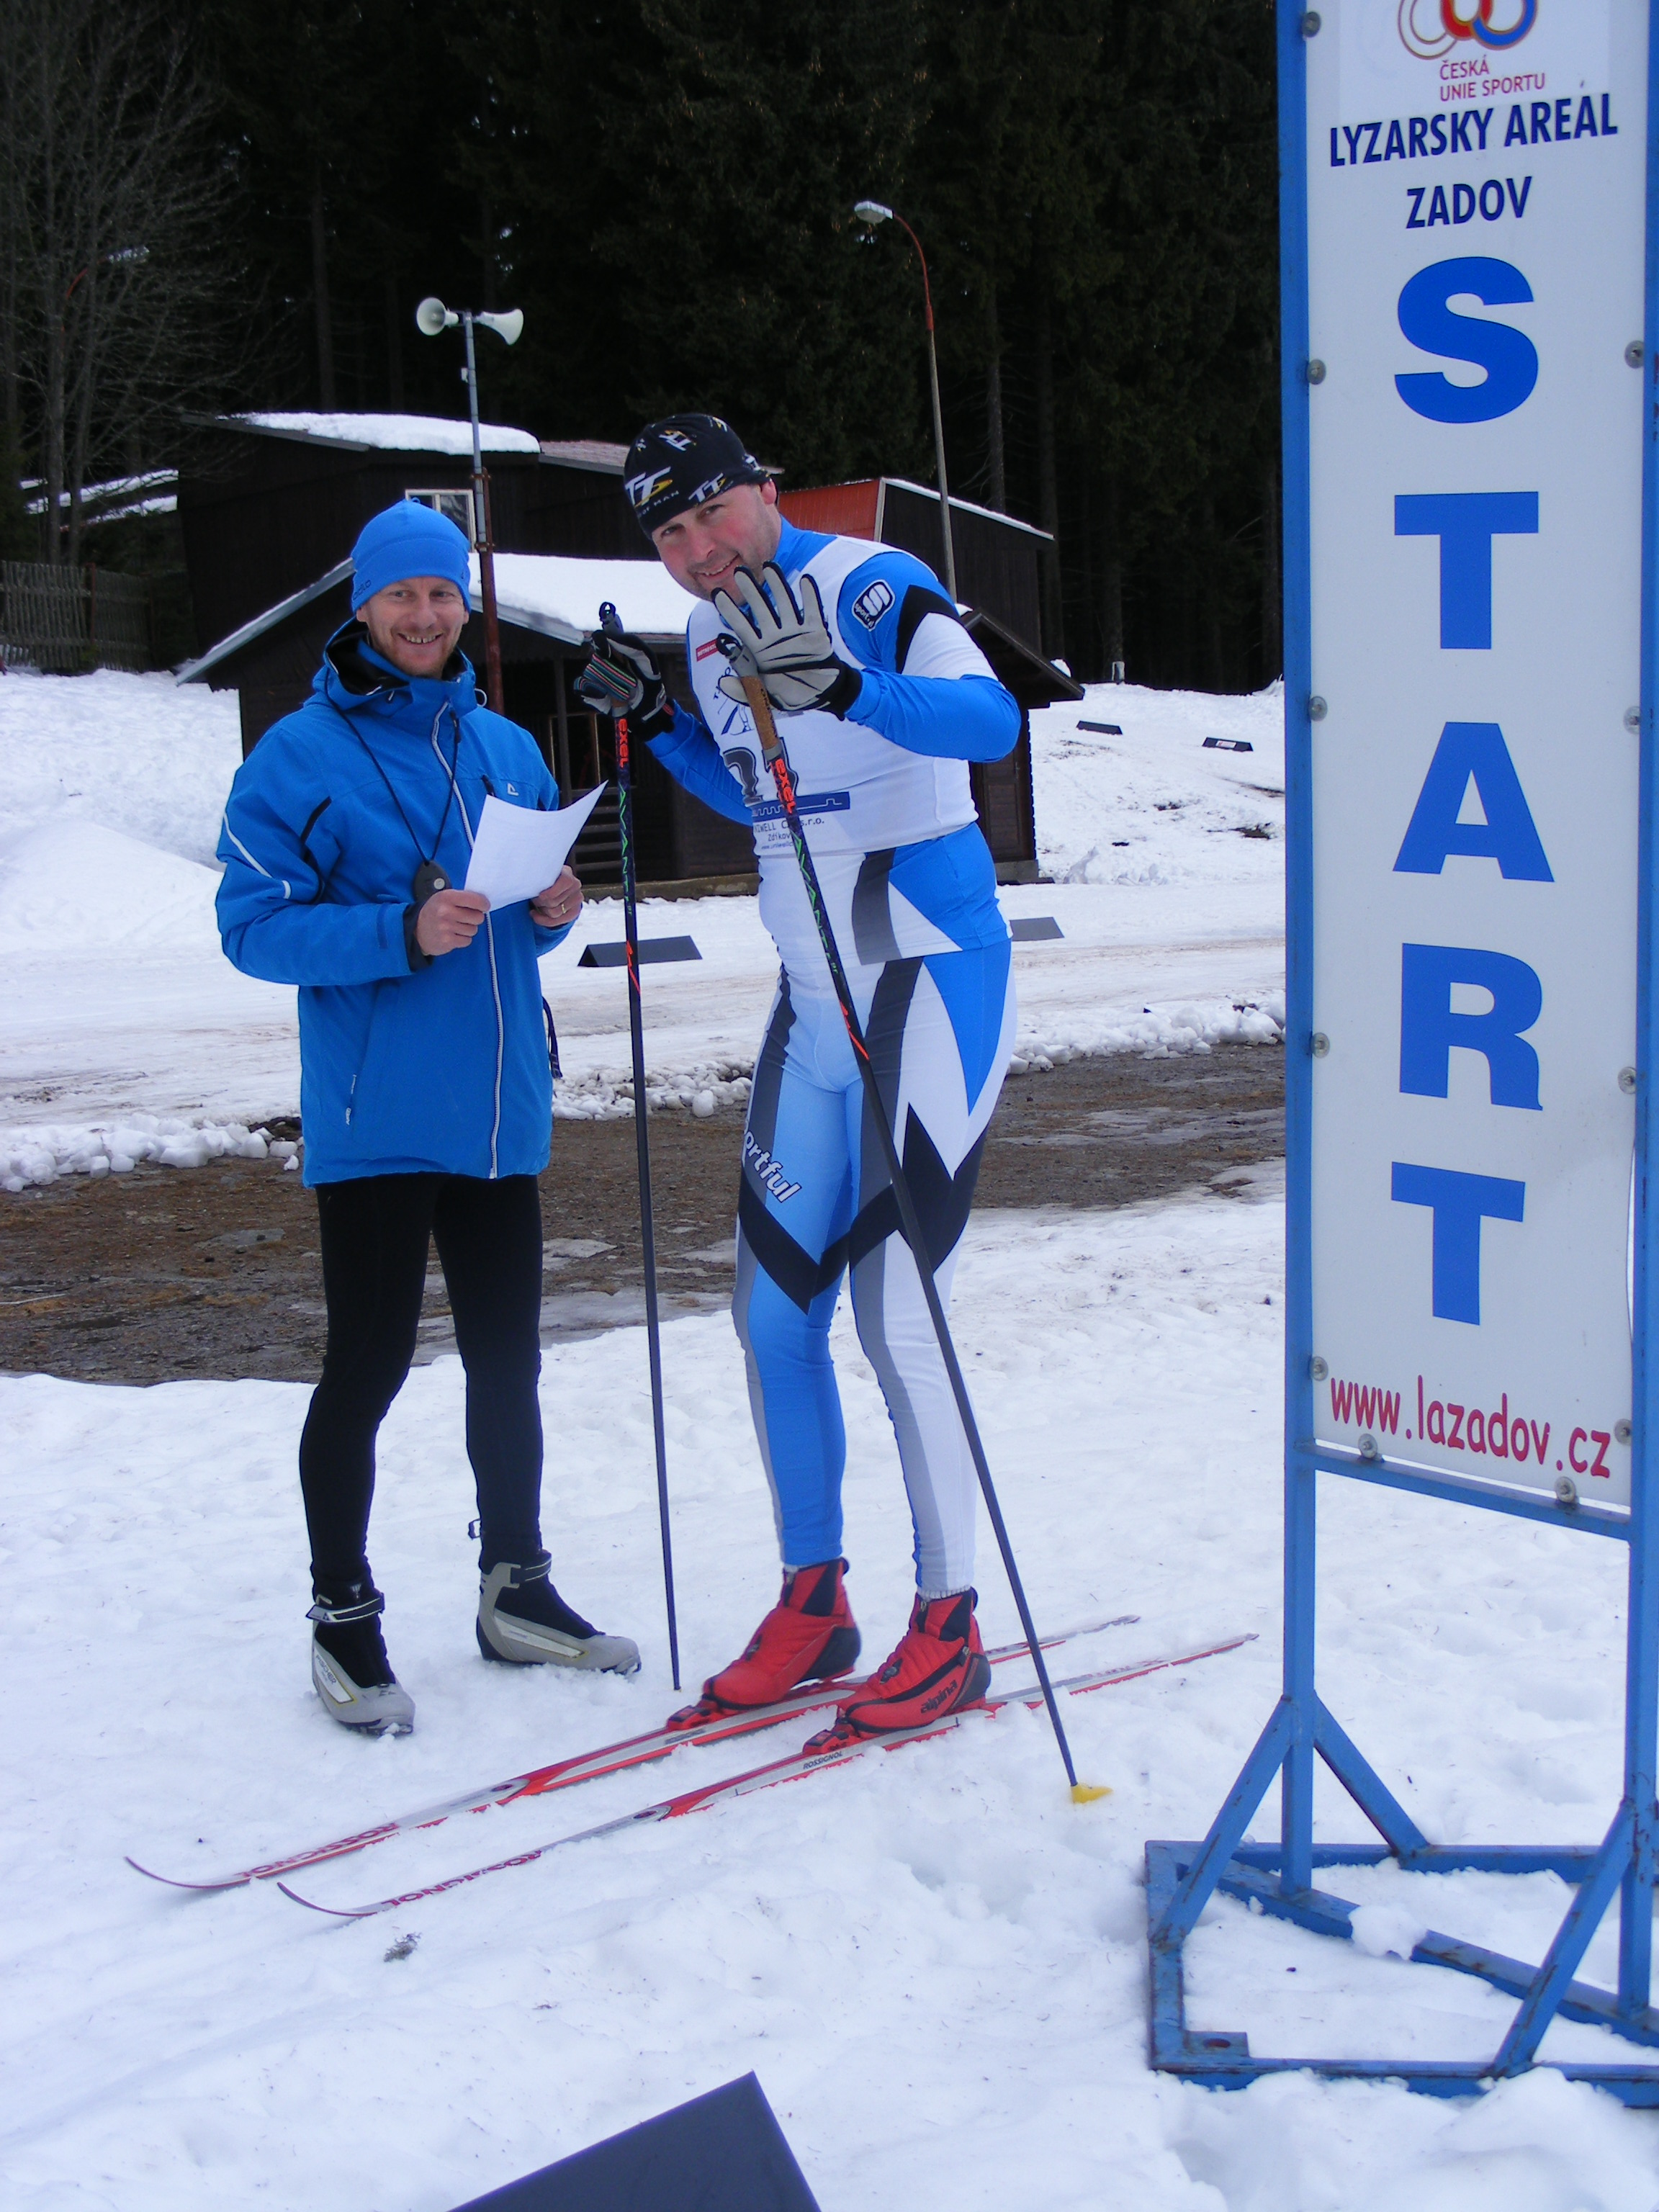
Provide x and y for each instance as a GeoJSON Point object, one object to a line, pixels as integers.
{"type": "Point", "coordinates": [794, 1201]}
{"type": "Point", "coordinates": [939, 1030]}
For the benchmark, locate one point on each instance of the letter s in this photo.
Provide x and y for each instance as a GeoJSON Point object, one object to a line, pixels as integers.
{"type": "Point", "coordinates": [1508, 356]}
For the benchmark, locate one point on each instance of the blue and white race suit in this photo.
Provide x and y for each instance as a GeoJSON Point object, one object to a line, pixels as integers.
{"type": "Point", "coordinates": [910, 889]}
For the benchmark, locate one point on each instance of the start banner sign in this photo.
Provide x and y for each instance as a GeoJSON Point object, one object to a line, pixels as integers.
{"type": "Point", "coordinates": [1476, 212]}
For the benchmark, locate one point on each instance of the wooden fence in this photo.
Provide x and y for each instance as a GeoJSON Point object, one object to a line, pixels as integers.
{"type": "Point", "coordinates": [65, 621]}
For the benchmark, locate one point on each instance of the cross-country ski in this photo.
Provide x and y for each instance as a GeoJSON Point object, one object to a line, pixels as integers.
{"type": "Point", "coordinates": [792, 1768]}
{"type": "Point", "coordinates": [587, 1766]}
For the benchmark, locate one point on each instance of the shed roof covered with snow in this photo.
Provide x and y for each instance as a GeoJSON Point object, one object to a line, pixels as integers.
{"type": "Point", "coordinates": [392, 434]}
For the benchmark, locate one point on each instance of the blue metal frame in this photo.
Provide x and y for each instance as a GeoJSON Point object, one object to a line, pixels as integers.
{"type": "Point", "coordinates": [1277, 1878]}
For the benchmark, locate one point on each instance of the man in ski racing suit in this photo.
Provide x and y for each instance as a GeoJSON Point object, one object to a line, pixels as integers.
{"type": "Point", "coordinates": [883, 699]}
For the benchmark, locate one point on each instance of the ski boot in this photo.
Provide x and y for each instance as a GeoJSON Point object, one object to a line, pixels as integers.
{"type": "Point", "coordinates": [523, 1620]}
{"type": "Point", "coordinates": [349, 1670]}
{"type": "Point", "coordinates": [938, 1666]}
{"type": "Point", "coordinates": [809, 1636]}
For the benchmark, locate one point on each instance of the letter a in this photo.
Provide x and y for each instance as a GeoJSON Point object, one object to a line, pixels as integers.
{"type": "Point", "coordinates": [1508, 834]}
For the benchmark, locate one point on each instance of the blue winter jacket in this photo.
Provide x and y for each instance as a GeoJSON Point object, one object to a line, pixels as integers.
{"type": "Point", "coordinates": [407, 1064]}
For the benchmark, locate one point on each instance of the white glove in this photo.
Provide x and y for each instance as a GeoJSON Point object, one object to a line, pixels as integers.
{"type": "Point", "coordinates": [787, 646]}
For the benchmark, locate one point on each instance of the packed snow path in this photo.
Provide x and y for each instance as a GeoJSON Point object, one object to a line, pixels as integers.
{"type": "Point", "coordinates": [934, 1961]}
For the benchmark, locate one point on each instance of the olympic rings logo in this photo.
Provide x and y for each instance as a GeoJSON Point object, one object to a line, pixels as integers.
{"type": "Point", "coordinates": [1448, 25]}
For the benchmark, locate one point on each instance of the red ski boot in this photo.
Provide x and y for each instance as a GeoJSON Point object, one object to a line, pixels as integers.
{"type": "Point", "coordinates": [809, 1636]}
{"type": "Point", "coordinates": [939, 1667]}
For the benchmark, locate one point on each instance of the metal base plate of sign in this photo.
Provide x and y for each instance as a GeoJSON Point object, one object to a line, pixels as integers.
{"type": "Point", "coordinates": [1525, 832]}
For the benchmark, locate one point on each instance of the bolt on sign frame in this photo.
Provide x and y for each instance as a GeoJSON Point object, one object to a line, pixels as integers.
{"type": "Point", "coordinates": [1472, 809]}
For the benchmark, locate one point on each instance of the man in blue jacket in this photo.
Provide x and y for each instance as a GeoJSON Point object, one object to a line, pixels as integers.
{"type": "Point", "coordinates": [425, 1084]}
{"type": "Point", "coordinates": [884, 699]}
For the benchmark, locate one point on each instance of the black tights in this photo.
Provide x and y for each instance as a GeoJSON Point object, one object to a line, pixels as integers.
{"type": "Point", "coordinates": [375, 1237]}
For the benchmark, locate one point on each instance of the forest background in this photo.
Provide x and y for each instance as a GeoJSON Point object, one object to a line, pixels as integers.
{"type": "Point", "coordinates": [239, 203]}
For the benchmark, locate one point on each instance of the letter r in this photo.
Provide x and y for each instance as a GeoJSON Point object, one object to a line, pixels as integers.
{"type": "Point", "coordinates": [1460, 1204]}
{"type": "Point", "coordinates": [1429, 1029]}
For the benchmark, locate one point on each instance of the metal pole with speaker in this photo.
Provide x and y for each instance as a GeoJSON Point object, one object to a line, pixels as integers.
{"type": "Point", "coordinates": [432, 318]}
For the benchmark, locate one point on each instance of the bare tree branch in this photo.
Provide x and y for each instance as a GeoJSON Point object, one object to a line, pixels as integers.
{"type": "Point", "coordinates": [114, 274]}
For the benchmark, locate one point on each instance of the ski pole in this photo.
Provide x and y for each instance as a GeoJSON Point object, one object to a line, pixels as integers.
{"type": "Point", "coordinates": [608, 621]}
{"type": "Point", "coordinates": [760, 707]}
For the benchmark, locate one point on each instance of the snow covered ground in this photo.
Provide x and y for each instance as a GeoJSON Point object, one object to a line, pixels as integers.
{"type": "Point", "coordinates": [126, 1030]}
{"type": "Point", "coordinates": [934, 1961]}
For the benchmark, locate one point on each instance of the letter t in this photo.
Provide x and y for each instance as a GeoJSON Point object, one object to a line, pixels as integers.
{"type": "Point", "coordinates": [1466, 522]}
{"type": "Point", "coordinates": [1461, 1203]}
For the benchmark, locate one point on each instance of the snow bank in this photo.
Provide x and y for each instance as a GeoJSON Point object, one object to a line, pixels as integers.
{"type": "Point", "coordinates": [32, 1153]}
{"type": "Point", "coordinates": [1156, 1033]}
{"type": "Point", "coordinates": [40, 1154]}
{"type": "Point", "coordinates": [131, 752]}
{"type": "Point", "coordinates": [74, 886]}
{"type": "Point", "coordinates": [1154, 805]}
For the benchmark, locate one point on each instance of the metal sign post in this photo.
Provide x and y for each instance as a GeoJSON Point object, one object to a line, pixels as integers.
{"type": "Point", "coordinates": [1471, 525]}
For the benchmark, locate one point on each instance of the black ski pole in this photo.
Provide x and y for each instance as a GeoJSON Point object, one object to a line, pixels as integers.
{"type": "Point", "coordinates": [608, 621]}
{"type": "Point", "coordinates": [772, 745]}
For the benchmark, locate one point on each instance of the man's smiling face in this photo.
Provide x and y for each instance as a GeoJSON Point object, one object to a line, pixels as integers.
{"type": "Point", "coordinates": [415, 624]}
{"type": "Point", "coordinates": [704, 548]}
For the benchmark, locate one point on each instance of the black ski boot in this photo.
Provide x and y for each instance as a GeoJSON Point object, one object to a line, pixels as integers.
{"type": "Point", "coordinates": [523, 1619]}
{"type": "Point", "coordinates": [350, 1669]}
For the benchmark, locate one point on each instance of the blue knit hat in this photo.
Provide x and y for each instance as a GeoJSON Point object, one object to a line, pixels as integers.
{"type": "Point", "coordinates": [409, 539]}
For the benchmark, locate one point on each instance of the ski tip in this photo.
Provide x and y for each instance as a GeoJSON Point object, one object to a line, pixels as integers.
{"type": "Point", "coordinates": [172, 1881]}
{"type": "Point", "coordinates": [1086, 1793]}
{"type": "Point", "coordinates": [333, 1911]}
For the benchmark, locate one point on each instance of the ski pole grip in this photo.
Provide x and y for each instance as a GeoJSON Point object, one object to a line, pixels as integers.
{"type": "Point", "coordinates": [609, 621]}
{"type": "Point", "coordinates": [760, 707]}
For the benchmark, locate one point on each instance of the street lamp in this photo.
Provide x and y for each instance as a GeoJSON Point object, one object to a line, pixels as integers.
{"type": "Point", "coordinates": [870, 212]}
{"type": "Point", "coordinates": [431, 318]}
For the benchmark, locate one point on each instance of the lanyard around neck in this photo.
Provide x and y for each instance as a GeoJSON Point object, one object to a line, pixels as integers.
{"type": "Point", "coordinates": [425, 875]}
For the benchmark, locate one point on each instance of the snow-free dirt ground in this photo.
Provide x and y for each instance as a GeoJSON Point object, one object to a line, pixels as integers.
{"type": "Point", "coordinates": [933, 1960]}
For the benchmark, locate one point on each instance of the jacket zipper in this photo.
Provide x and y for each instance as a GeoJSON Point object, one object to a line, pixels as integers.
{"type": "Point", "coordinates": [495, 977]}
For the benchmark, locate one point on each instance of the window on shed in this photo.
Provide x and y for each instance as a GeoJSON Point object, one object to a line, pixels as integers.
{"type": "Point", "coordinates": [457, 505]}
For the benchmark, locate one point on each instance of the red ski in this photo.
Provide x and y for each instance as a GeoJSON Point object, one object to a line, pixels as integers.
{"type": "Point", "coordinates": [586, 1766]}
{"type": "Point", "coordinates": [792, 1769]}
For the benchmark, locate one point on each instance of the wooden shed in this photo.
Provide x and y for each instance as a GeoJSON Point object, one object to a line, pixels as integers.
{"type": "Point", "coordinates": [998, 556]}
{"type": "Point", "coordinates": [998, 585]}
{"type": "Point", "coordinates": [273, 502]}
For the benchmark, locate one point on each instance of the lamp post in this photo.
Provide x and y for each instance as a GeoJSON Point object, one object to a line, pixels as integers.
{"type": "Point", "coordinates": [432, 317]}
{"type": "Point", "coordinates": [871, 212]}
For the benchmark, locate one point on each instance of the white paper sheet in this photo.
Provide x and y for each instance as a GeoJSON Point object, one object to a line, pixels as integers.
{"type": "Point", "coordinates": [519, 850]}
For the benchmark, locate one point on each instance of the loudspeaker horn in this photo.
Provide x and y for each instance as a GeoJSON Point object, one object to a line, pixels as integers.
{"type": "Point", "coordinates": [508, 325]}
{"type": "Point", "coordinates": [432, 316]}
